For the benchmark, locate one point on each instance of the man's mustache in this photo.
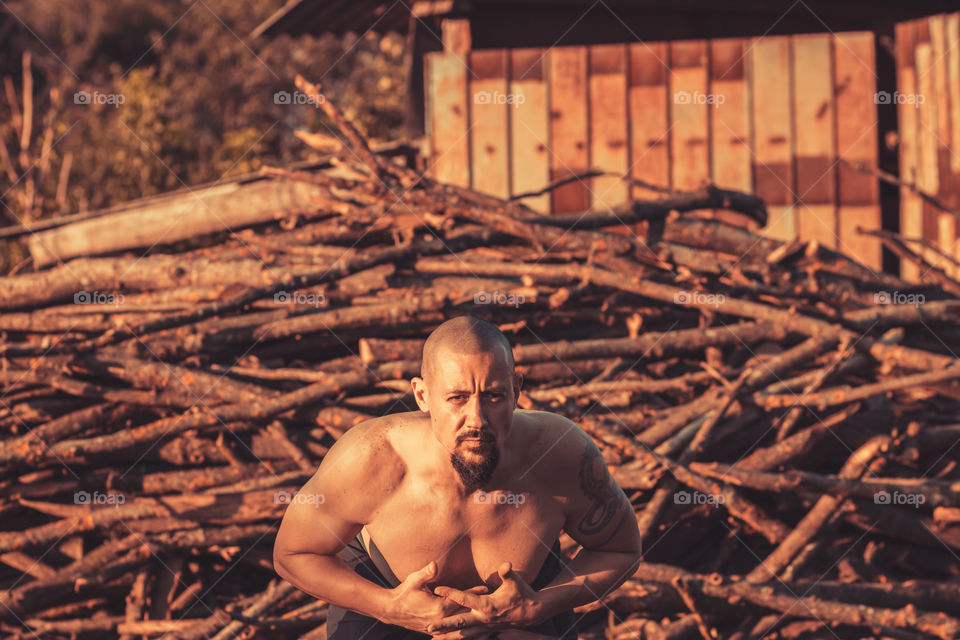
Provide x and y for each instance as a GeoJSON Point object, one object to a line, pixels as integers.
{"type": "Point", "coordinates": [477, 434]}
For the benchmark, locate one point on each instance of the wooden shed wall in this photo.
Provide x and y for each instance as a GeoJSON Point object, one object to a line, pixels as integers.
{"type": "Point", "coordinates": [928, 109]}
{"type": "Point", "coordinates": [767, 115]}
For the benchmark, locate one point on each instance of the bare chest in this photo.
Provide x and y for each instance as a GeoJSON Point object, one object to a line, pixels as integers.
{"type": "Point", "coordinates": [468, 538]}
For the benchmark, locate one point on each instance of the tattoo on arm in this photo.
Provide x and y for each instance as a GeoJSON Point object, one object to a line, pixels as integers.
{"type": "Point", "coordinates": [600, 488]}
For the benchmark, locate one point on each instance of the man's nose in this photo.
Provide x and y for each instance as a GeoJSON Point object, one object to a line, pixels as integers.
{"type": "Point", "coordinates": [473, 410]}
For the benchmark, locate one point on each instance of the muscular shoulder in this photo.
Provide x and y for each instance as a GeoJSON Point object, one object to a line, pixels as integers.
{"type": "Point", "coordinates": [363, 462]}
{"type": "Point", "coordinates": [596, 508]}
{"type": "Point", "coordinates": [556, 444]}
{"type": "Point", "coordinates": [359, 472]}
{"type": "Point", "coordinates": [564, 456]}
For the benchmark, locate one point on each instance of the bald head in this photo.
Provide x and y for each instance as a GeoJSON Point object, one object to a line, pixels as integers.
{"type": "Point", "coordinates": [464, 334]}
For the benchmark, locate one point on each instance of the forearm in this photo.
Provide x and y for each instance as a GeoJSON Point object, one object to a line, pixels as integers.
{"type": "Point", "coordinates": [587, 578]}
{"type": "Point", "coordinates": [330, 579]}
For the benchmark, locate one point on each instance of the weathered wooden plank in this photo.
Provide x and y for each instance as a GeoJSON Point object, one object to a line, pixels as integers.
{"type": "Point", "coordinates": [609, 150]}
{"type": "Point", "coordinates": [729, 118]}
{"type": "Point", "coordinates": [946, 237]}
{"type": "Point", "coordinates": [772, 157]}
{"type": "Point", "coordinates": [689, 98]}
{"type": "Point", "coordinates": [814, 149]}
{"type": "Point", "coordinates": [529, 126]}
{"type": "Point", "coordinates": [952, 27]}
{"type": "Point", "coordinates": [856, 85]}
{"type": "Point", "coordinates": [489, 142]}
{"type": "Point", "coordinates": [649, 117]}
{"type": "Point", "coordinates": [911, 206]}
{"type": "Point", "coordinates": [446, 118]}
{"type": "Point", "coordinates": [456, 37]}
{"type": "Point", "coordinates": [569, 135]}
{"type": "Point", "coordinates": [953, 72]}
{"type": "Point", "coordinates": [939, 70]}
{"type": "Point", "coordinates": [928, 128]}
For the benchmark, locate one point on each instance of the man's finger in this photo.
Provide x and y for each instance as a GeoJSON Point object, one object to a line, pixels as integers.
{"type": "Point", "coordinates": [419, 578]}
{"type": "Point", "coordinates": [451, 606]}
{"type": "Point", "coordinates": [453, 623]}
{"type": "Point", "coordinates": [463, 598]}
{"type": "Point", "coordinates": [506, 572]}
{"type": "Point", "coordinates": [463, 634]}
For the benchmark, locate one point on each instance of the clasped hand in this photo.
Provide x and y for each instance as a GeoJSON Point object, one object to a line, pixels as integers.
{"type": "Point", "coordinates": [452, 614]}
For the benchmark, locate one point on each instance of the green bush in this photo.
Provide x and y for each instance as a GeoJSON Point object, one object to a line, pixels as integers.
{"type": "Point", "coordinates": [178, 95]}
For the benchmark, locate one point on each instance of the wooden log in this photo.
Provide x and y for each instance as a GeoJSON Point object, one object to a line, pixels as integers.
{"type": "Point", "coordinates": [786, 422]}
{"type": "Point", "coordinates": [198, 212]}
{"type": "Point", "coordinates": [30, 448]}
{"type": "Point", "coordinates": [794, 322]}
{"type": "Point", "coordinates": [928, 272]}
{"type": "Point", "coordinates": [634, 386]}
{"type": "Point", "coordinates": [136, 600]}
{"type": "Point", "coordinates": [378, 350]}
{"type": "Point", "coordinates": [939, 625]}
{"type": "Point", "coordinates": [706, 197]}
{"type": "Point", "coordinates": [248, 295]}
{"type": "Point", "coordinates": [228, 629]}
{"type": "Point", "coordinates": [208, 508]}
{"type": "Point", "coordinates": [357, 142]}
{"type": "Point", "coordinates": [935, 493]}
{"type": "Point", "coordinates": [797, 444]}
{"type": "Point", "coordinates": [826, 506]}
{"type": "Point", "coordinates": [843, 395]}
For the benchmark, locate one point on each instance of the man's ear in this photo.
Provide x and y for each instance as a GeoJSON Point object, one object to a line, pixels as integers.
{"type": "Point", "coordinates": [517, 385]}
{"type": "Point", "coordinates": [419, 388]}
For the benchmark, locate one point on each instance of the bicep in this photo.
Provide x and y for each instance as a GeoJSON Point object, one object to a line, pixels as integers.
{"type": "Point", "coordinates": [329, 510]}
{"type": "Point", "coordinates": [599, 515]}
{"type": "Point", "coordinates": [314, 522]}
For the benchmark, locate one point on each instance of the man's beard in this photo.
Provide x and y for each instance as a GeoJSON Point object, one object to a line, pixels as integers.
{"type": "Point", "coordinates": [475, 475]}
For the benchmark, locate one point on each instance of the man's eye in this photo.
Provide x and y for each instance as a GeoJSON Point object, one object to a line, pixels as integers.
{"type": "Point", "coordinates": [455, 398]}
{"type": "Point", "coordinates": [496, 396]}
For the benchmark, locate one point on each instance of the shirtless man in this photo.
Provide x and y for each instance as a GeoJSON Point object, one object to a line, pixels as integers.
{"type": "Point", "coordinates": [459, 507]}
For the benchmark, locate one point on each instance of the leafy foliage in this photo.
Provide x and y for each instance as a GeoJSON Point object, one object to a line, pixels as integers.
{"type": "Point", "coordinates": [143, 96]}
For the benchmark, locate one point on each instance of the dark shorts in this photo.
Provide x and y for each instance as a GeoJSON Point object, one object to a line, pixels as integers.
{"type": "Point", "coordinates": [344, 624]}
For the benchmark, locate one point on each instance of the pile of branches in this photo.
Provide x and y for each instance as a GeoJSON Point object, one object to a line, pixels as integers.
{"type": "Point", "coordinates": [782, 417]}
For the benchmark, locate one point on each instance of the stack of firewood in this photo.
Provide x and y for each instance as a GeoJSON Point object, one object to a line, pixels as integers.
{"type": "Point", "coordinates": [783, 418]}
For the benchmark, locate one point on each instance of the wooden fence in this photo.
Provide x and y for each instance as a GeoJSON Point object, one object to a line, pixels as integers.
{"type": "Point", "coordinates": [766, 115]}
{"type": "Point", "coordinates": [928, 99]}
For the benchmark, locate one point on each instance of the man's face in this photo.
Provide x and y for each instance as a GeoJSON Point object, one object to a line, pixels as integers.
{"type": "Point", "coordinates": [470, 398]}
